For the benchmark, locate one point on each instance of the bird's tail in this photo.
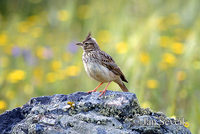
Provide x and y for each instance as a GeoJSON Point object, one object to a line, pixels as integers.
{"type": "Point", "coordinates": [123, 87]}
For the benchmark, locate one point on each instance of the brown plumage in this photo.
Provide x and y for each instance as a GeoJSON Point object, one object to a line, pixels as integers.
{"type": "Point", "coordinates": [101, 66]}
{"type": "Point", "coordinates": [111, 65]}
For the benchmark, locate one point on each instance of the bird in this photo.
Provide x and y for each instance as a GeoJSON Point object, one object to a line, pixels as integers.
{"type": "Point", "coordinates": [100, 66]}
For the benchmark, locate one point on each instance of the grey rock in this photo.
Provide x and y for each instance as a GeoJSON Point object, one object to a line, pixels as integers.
{"type": "Point", "coordinates": [87, 113]}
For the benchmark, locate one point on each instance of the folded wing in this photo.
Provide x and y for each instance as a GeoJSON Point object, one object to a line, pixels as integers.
{"type": "Point", "coordinates": [108, 62]}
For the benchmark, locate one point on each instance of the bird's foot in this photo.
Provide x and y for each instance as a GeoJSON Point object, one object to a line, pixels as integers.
{"type": "Point", "coordinates": [92, 91]}
{"type": "Point", "coordinates": [103, 92]}
{"type": "Point", "coordinates": [96, 88]}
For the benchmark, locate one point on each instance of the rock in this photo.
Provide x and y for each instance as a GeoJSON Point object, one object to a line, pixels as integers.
{"type": "Point", "coordinates": [84, 113]}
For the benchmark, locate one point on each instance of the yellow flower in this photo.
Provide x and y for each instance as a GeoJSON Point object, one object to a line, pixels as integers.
{"type": "Point", "coordinates": [152, 84]}
{"type": "Point", "coordinates": [146, 104]}
{"type": "Point", "coordinates": [3, 39]}
{"type": "Point", "coordinates": [3, 105]}
{"type": "Point", "coordinates": [72, 104]}
{"type": "Point", "coordinates": [83, 12]}
{"type": "Point", "coordinates": [177, 48]}
{"type": "Point", "coordinates": [169, 59]}
{"type": "Point", "coordinates": [181, 76]}
{"type": "Point", "coordinates": [122, 47]}
{"type": "Point", "coordinates": [16, 76]}
{"type": "Point", "coordinates": [144, 58]}
{"type": "Point", "coordinates": [72, 70]}
{"type": "Point", "coordinates": [186, 124]}
{"type": "Point", "coordinates": [103, 36]}
{"type": "Point", "coordinates": [165, 41]}
{"type": "Point", "coordinates": [51, 77]}
{"type": "Point", "coordinates": [63, 15]}
{"type": "Point", "coordinates": [56, 65]}
{"type": "Point", "coordinates": [40, 52]}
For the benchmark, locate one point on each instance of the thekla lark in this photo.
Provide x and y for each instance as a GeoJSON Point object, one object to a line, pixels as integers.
{"type": "Point", "coordinates": [100, 66]}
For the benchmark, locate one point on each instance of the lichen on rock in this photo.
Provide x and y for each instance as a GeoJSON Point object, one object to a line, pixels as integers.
{"type": "Point", "coordinates": [87, 113]}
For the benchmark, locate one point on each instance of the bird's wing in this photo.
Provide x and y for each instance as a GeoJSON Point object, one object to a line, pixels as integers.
{"type": "Point", "coordinates": [109, 63]}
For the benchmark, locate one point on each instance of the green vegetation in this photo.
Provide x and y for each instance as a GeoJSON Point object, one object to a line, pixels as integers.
{"type": "Point", "coordinates": [155, 43]}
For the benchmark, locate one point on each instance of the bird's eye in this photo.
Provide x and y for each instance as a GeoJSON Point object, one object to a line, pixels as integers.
{"type": "Point", "coordinates": [86, 43]}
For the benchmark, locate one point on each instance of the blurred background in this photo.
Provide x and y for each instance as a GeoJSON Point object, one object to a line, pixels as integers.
{"type": "Point", "coordinates": [154, 42]}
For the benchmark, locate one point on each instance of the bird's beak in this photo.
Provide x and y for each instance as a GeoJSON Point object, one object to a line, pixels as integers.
{"type": "Point", "coordinates": [79, 44]}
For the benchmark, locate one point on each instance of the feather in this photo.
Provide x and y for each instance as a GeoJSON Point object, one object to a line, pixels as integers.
{"type": "Point", "coordinates": [107, 61]}
{"type": "Point", "coordinates": [88, 37]}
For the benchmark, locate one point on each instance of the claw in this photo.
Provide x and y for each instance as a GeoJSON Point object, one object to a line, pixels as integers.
{"type": "Point", "coordinates": [96, 88]}
{"type": "Point", "coordinates": [92, 91]}
{"type": "Point", "coordinates": [103, 92]}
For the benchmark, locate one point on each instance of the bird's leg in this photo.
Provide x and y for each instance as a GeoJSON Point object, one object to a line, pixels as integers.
{"type": "Point", "coordinates": [104, 91]}
{"type": "Point", "coordinates": [96, 88]}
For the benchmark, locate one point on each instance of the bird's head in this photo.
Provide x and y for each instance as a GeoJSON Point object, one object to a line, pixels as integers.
{"type": "Point", "coordinates": [89, 44]}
